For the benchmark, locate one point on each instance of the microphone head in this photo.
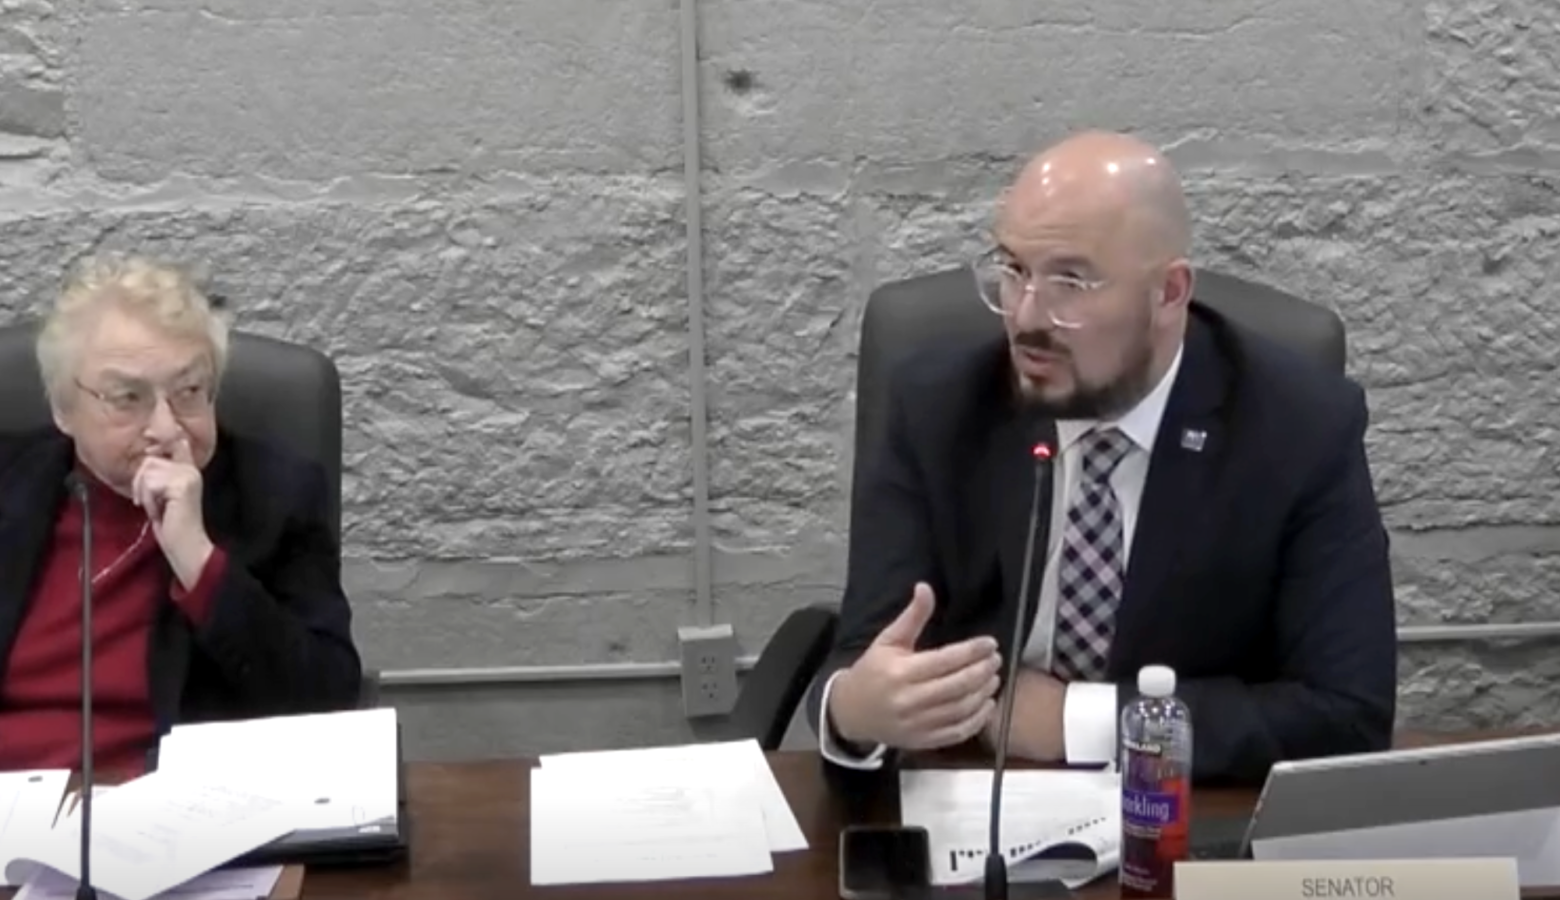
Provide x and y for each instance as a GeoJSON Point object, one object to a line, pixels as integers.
{"type": "Point", "coordinates": [75, 483]}
{"type": "Point", "coordinates": [1040, 430]}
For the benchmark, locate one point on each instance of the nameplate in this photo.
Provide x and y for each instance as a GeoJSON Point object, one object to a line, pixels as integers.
{"type": "Point", "coordinates": [1407, 879]}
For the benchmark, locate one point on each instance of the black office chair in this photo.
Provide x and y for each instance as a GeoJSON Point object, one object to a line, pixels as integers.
{"type": "Point", "coordinates": [903, 316]}
{"type": "Point", "coordinates": [284, 393]}
{"type": "Point", "coordinates": [778, 682]}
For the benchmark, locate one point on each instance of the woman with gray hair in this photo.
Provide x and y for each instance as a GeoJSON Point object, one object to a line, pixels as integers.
{"type": "Point", "coordinates": [215, 578]}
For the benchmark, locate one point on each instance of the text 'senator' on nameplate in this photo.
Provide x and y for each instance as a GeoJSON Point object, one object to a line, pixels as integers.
{"type": "Point", "coordinates": [1408, 879]}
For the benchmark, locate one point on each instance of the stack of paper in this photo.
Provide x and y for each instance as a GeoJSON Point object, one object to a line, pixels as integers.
{"type": "Point", "coordinates": [28, 804]}
{"type": "Point", "coordinates": [695, 811]}
{"type": "Point", "coordinates": [224, 884]}
{"type": "Point", "coordinates": [221, 790]}
{"type": "Point", "coordinates": [333, 770]}
{"type": "Point", "coordinates": [1045, 815]}
{"type": "Point", "coordinates": [150, 836]}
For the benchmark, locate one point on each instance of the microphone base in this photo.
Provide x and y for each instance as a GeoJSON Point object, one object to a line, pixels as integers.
{"type": "Point", "coordinates": [86, 892]}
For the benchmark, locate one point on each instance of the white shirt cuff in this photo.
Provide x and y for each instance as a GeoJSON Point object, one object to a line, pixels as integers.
{"type": "Point", "coordinates": [830, 747]}
{"type": "Point", "coordinates": [1089, 723]}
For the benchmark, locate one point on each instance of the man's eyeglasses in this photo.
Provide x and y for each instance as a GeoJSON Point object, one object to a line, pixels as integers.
{"type": "Point", "coordinates": [135, 403]}
{"type": "Point", "coordinates": [1004, 285]}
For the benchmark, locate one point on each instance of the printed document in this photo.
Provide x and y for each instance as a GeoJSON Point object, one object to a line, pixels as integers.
{"type": "Point", "coordinates": [698, 761]}
{"type": "Point", "coordinates": [333, 770]}
{"type": "Point", "coordinates": [591, 825]}
{"type": "Point", "coordinates": [28, 803]}
{"type": "Point", "coordinates": [155, 833]}
{"type": "Point", "coordinates": [71, 808]}
{"type": "Point", "coordinates": [1060, 825]}
{"type": "Point", "coordinates": [223, 884]}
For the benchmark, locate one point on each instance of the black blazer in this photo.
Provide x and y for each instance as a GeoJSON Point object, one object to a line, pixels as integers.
{"type": "Point", "coordinates": [1259, 568]}
{"type": "Point", "coordinates": [278, 640]}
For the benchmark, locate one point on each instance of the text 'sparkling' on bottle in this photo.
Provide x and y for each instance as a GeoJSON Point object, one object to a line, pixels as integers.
{"type": "Point", "coordinates": [1156, 785]}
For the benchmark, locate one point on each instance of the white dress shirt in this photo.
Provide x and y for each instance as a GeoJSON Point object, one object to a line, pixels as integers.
{"type": "Point", "coordinates": [1089, 710]}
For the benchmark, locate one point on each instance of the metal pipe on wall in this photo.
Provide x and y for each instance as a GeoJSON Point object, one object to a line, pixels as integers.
{"type": "Point", "coordinates": [698, 401]}
{"type": "Point", "coordinates": [461, 677]}
{"type": "Point", "coordinates": [1426, 634]}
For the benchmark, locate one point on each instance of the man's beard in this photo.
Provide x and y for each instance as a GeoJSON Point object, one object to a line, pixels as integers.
{"type": "Point", "coordinates": [1089, 401]}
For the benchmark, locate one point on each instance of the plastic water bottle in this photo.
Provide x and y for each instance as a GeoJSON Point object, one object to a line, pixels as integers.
{"type": "Point", "coordinates": [1156, 785]}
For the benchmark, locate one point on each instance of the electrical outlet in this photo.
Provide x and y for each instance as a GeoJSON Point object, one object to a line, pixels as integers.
{"type": "Point", "coordinates": [709, 670]}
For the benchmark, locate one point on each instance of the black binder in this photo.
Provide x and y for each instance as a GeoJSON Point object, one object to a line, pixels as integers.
{"type": "Point", "coordinates": [373, 843]}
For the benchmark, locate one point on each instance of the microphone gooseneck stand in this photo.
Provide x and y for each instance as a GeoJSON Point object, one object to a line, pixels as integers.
{"type": "Point", "coordinates": [995, 881]}
{"type": "Point", "coordinates": [85, 890]}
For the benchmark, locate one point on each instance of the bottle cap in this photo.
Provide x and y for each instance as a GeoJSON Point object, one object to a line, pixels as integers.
{"type": "Point", "coordinates": [1156, 681]}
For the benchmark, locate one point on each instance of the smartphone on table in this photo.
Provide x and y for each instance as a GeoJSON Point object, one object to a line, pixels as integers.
{"type": "Point", "coordinates": [885, 862]}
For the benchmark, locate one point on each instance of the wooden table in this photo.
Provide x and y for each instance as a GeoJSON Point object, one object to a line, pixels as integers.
{"type": "Point", "coordinates": [471, 840]}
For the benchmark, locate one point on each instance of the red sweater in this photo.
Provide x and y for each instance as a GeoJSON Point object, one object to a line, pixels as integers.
{"type": "Point", "coordinates": [40, 693]}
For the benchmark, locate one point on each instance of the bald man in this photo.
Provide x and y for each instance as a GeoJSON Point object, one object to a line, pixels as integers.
{"type": "Point", "coordinates": [1210, 509]}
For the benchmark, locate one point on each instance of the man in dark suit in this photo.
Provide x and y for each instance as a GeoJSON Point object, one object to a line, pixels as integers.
{"type": "Point", "coordinates": [215, 576]}
{"type": "Point", "coordinates": [1211, 509]}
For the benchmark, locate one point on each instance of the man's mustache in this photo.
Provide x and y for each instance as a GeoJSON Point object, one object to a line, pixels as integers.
{"type": "Point", "coordinates": [1042, 341]}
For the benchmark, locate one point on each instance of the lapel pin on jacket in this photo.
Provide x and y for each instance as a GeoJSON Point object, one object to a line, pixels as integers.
{"type": "Point", "coordinates": [1193, 439]}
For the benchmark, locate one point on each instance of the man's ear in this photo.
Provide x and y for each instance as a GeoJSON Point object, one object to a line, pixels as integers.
{"type": "Point", "coordinates": [1178, 285]}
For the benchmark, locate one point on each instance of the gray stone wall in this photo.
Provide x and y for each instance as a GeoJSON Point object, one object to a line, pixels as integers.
{"type": "Point", "coordinates": [477, 206]}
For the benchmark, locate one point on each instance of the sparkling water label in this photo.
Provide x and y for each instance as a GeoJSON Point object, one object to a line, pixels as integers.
{"type": "Point", "coordinates": [1151, 809]}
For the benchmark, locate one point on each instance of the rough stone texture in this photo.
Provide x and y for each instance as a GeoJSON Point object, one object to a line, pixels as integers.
{"type": "Point", "coordinates": [779, 295]}
{"type": "Point", "coordinates": [478, 207]}
{"type": "Point", "coordinates": [1496, 72]}
{"type": "Point", "coordinates": [1500, 588]}
{"type": "Point", "coordinates": [1507, 684]}
{"type": "Point", "coordinates": [298, 89]}
{"type": "Point", "coordinates": [32, 97]}
{"type": "Point", "coordinates": [902, 80]}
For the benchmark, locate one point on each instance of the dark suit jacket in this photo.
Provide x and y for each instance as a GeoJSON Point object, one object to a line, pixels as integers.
{"type": "Point", "coordinates": [278, 640]}
{"type": "Point", "coordinates": [1259, 569]}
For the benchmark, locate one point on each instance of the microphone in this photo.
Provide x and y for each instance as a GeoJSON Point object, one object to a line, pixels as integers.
{"type": "Point", "coordinates": [996, 875]}
{"type": "Point", "coordinates": [895, 861]}
{"type": "Point", "coordinates": [78, 487]}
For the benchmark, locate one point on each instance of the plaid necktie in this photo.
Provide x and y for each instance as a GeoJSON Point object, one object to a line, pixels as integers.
{"type": "Point", "coordinates": [1090, 578]}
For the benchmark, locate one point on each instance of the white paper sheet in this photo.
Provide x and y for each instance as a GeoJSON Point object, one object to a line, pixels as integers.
{"type": "Point", "coordinates": [155, 833]}
{"type": "Point", "coordinates": [784, 833]}
{"type": "Point", "coordinates": [71, 807]}
{"type": "Point", "coordinates": [1039, 809]}
{"type": "Point", "coordinates": [590, 826]}
{"type": "Point", "coordinates": [333, 770]}
{"type": "Point", "coordinates": [29, 802]}
{"type": "Point", "coordinates": [224, 884]}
